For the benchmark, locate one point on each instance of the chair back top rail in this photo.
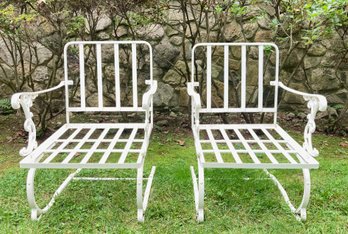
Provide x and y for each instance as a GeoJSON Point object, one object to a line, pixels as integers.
{"type": "Point", "coordinates": [242, 105]}
{"type": "Point", "coordinates": [100, 83]}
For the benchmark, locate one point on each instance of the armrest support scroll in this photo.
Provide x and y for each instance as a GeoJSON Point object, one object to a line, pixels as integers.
{"type": "Point", "coordinates": [194, 95]}
{"type": "Point", "coordinates": [147, 97]}
{"type": "Point", "coordinates": [315, 103]}
{"type": "Point", "coordinates": [196, 102]}
{"type": "Point", "coordinates": [25, 100]}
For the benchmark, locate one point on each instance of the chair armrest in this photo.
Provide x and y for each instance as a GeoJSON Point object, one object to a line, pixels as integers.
{"type": "Point", "coordinates": [25, 100]}
{"type": "Point", "coordinates": [196, 99]}
{"type": "Point", "coordinates": [315, 103]}
{"type": "Point", "coordinates": [147, 97]}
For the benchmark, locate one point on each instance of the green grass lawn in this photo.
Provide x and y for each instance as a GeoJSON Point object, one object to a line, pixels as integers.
{"type": "Point", "coordinates": [232, 204]}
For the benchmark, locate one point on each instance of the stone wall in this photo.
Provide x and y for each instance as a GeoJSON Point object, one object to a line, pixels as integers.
{"type": "Point", "coordinates": [318, 72]}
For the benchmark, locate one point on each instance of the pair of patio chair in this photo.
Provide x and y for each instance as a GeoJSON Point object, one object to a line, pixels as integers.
{"type": "Point", "coordinates": [124, 145]}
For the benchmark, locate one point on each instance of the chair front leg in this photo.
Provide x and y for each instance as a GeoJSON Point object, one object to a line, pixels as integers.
{"type": "Point", "coordinates": [200, 205]}
{"type": "Point", "coordinates": [301, 211]}
{"type": "Point", "coordinates": [140, 204]}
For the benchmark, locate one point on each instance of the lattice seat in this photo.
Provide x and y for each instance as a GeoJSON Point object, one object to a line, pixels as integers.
{"type": "Point", "coordinates": [90, 146]}
{"type": "Point", "coordinates": [251, 146]}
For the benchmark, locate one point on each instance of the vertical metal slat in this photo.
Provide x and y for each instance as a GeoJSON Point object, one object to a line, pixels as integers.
{"type": "Point", "coordinates": [243, 76]}
{"type": "Point", "coordinates": [99, 76]}
{"type": "Point", "coordinates": [260, 84]}
{"type": "Point", "coordinates": [134, 76]}
{"type": "Point", "coordinates": [226, 71]}
{"type": "Point", "coordinates": [82, 76]}
{"type": "Point", "coordinates": [208, 77]}
{"type": "Point", "coordinates": [117, 75]}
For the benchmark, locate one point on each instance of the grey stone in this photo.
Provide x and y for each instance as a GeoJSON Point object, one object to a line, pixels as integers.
{"type": "Point", "coordinates": [43, 53]}
{"type": "Point", "coordinates": [173, 76]}
{"type": "Point", "coordinates": [183, 97]}
{"type": "Point", "coordinates": [236, 52]}
{"type": "Point", "coordinates": [151, 32]}
{"type": "Point", "coordinates": [252, 72]}
{"type": "Point", "coordinates": [4, 53]}
{"type": "Point", "coordinates": [264, 23]}
{"type": "Point", "coordinates": [171, 31]}
{"type": "Point", "coordinates": [323, 79]}
{"type": "Point", "coordinates": [299, 75]}
{"type": "Point", "coordinates": [165, 54]}
{"type": "Point", "coordinates": [254, 52]}
{"type": "Point", "coordinates": [234, 64]}
{"type": "Point", "coordinates": [176, 40]}
{"type": "Point", "coordinates": [103, 23]}
{"type": "Point", "coordinates": [250, 30]}
{"type": "Point", "coordinates": [172, 114]}
{"type": "Point", "coordinates": [301, 115]}
{"type": "Point", "coordinates": [163, 95]}
{"type": "Point", "coordinates": [343, 94]}
{"type": "Point", "coordinates": [292, 60]}
{"type": "Point", "coordinates": [40, 74]}
{"type": "Point", "coordinates": [293, 98]}
{"type": "Point", "coordinates": [120, 32]}
{"type": "Point", "coordinates": [103, 36]}
{"type": "Point", "coordinates": [329, 60]}
{"type": "Point", "coordinates": [317, 50]}
{"type": "Point", "coordinates": [311, 62]}
{"type": "Point", "coordinates": [232, 31]}
{"type": "Point", "coordinates": [6, 71]}
{"type": "Point", "coordinates": [290, 115]}
{"type": "Point", "coordinates": [162, 123]}
{"type": "Point", "coordinates": [157, 72]}
{"type": "Point", "coordinates": [191, 30]}
{"type": "Point", "coordinates": [334, 99]}
{"type": "Point", "coordinates": [329, 113]}
{"type": "Point", "coordinates": [268, 8]}
{"type": "Point", "coordinates": [264, 36]}
{"type": "Point", "coordinates": [175, 16]}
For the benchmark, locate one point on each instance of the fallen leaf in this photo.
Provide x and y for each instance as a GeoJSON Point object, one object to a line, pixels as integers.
{"type": "Point", "coordinates": [344, 144]}
{"type": "Point", "coordinates": [181, 142]}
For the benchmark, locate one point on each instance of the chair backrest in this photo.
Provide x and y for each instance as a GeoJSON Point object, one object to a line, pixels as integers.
{"type": "Point", "coordinates": [228, 56]}
{"type": "Point", "coordinates": [110, 75]}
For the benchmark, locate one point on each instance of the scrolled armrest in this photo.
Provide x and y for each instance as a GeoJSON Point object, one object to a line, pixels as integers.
{"type": "Point", "coordinates": [147, 97]}
{"type": "Point", "coordinates": [194, 95]}
{"type": "Point", "coordinates": [25, 100]}
{"type": "Point", "coordinates": [315, 103]}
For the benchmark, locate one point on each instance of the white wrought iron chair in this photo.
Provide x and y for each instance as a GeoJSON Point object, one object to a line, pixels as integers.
{"type": "Point", "coordinates": [233, 145]}
{"type": "Point", "coordinates": [117, 144]}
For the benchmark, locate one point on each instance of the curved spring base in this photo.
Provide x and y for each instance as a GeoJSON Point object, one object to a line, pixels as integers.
{"type": "Point", "coordinates": [300, 212]}
{"type": "Point", "coordinates": [37, 212]}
